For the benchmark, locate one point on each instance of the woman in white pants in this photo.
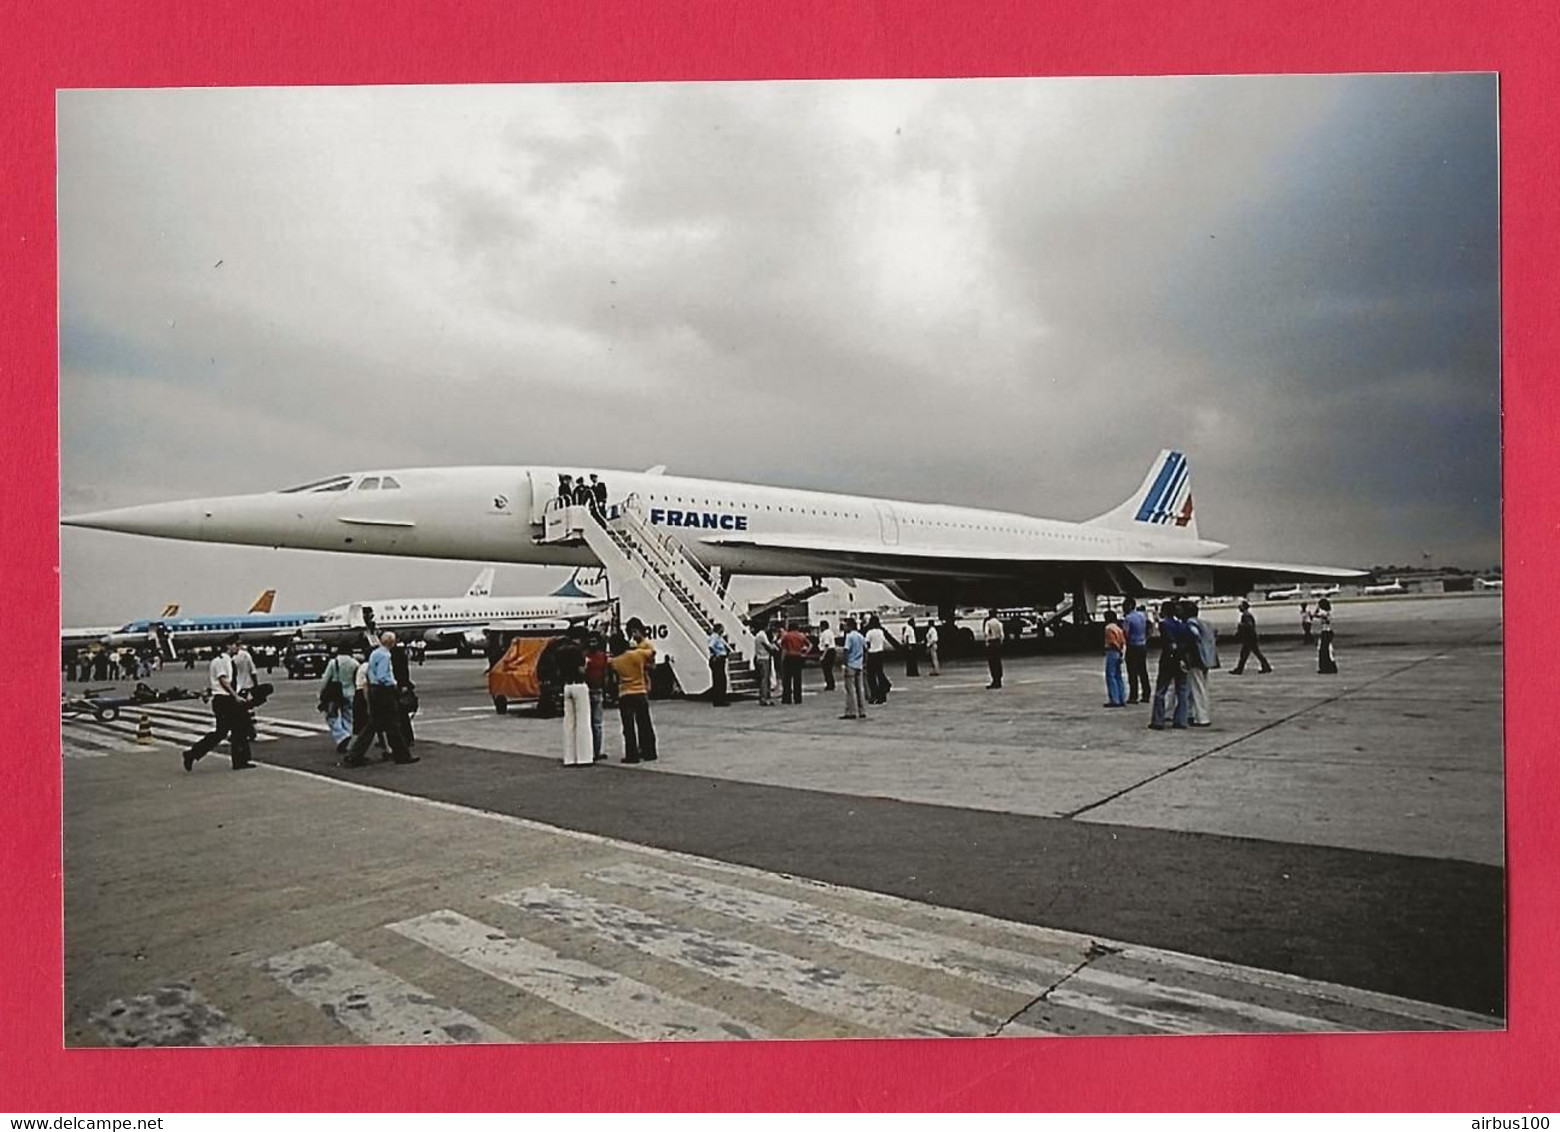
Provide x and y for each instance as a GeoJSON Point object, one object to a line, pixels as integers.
{"type": "Point", "coordinates": [578, 745]}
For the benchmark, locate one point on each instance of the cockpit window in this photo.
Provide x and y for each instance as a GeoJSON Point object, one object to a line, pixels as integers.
{"type": "Point", "coordinates": [335, 483]}
{"type": "Point", "coordinates": [370, 483]}
{"type": "Point", "coordinates": [389, 484]}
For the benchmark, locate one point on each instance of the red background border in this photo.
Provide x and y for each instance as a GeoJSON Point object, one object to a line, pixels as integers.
{"type": "Point", "coordinates": [75, 43]}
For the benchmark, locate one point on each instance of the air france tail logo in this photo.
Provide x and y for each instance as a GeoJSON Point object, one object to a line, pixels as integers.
{"type": "Point", "coordinates": [1170, 498]}
{"type": "Point", "coordinates": [708, 520]}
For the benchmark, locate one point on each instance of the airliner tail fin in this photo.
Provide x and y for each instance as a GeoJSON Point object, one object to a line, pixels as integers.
{"type": "Point", "coordinates": [1162, 503]}
{"type": "Point", "coordinates": [586, 581]}
{"type": "Point", "coordinates": [483, 586]}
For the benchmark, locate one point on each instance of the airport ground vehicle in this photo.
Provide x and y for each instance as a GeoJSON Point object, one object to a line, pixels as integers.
{"type": "Point", "coordinates": [105, 704]}
{"type": "Point", "coordinates": [522, 669]}
{"type": "Point", "coordinates": [306, 659]}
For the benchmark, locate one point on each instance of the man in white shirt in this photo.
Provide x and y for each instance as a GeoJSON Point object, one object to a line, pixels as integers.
{"type": "Point", "coordinates": [908, 642]}
{"type": "Point", "coordinates": [336, 690]}
{"type": "Point", "coordinates": [827, 654]}
{"type": "Point", "coordinates": [764, 652]}
{"type": "Point", "coordinates": [994, 636]}
{"type": "Point", "coordinates": [878, 684]}
{"type": "Point", "coordinates": [931, 646]}
{"type": "Point", "coordinates": [232, 721]}
{"type": "Point", "coordinates": [244, 673]}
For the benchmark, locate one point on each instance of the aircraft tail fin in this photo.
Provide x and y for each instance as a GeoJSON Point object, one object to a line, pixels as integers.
{"type": "Point", "coordinates": [263, 602]}
{"type": "Point", "coordinates": [584, 582]}
{"type": "Point", "coordinates": [170, 610]}
{"type": "Point", "coordinates": [1162, 503]}
{"type": "Point", "coordinates": [483, 586]}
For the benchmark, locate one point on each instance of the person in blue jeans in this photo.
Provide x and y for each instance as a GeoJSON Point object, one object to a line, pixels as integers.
{"type": "Point", "coordinates": [855, 664]}
{"type": "Point", "coordinates": [1115, 646]}
{"type": "Point", "coordinates": [1174, 641]}
{"type": "Point", "coordinates": [1135, 625]}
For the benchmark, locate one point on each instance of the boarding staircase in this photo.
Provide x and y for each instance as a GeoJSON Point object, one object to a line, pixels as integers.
{"type": "Point", "coordinates": [658, 580]}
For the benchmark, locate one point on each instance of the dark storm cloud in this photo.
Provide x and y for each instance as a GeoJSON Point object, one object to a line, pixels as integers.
{"type": "Point", "coordinates": [1009, 293]}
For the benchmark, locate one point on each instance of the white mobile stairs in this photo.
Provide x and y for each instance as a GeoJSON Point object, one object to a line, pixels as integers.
{"type": "Point", "coordinates": [656, 579]}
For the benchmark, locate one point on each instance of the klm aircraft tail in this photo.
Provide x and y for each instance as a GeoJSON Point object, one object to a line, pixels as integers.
{"type": "Point", "coordinates": [483, 586]}
{"type": "Point", "coordinates": [1162, 504]}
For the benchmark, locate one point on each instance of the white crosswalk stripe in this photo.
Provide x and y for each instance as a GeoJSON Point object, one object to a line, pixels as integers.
{"type": "Point", "coordinates": [179, 726]}
{"type": "Point", "coordinates": [1026, 973]}
{"type": "Point", "coordinates": [827, 990]}
{"type": "Point", "coordinates": [617, 1002]}
{"type": "Point", "coordinates": [1175, 964]}
{"type": "Point", "coordinates": [172, 1015]}
{"type": "Point", "coordinates": [270, 723]}
{"type": "Point", "coordinates": [374, 1004]}
{"type": "Point", "coordinates": [1167, 1007]}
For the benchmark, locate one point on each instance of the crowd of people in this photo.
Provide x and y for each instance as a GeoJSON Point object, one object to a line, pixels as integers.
{"type": "Point", "coordinates": [1178, 694]}
{"type": "Point", "coordinates": [371, 699]}
{"type": "Point", "coordinates": [590, 667]}
{"type": "Point", "coordinates": [1188, 652]}
{"type": "Point", "coordinates": [88, 666]}
{"type": "Point", "coordinates": [235, 691]}
{"type": "Point", "coordinates": [577, 491]}
{"type": "Point", "coordinates": [99, 665]}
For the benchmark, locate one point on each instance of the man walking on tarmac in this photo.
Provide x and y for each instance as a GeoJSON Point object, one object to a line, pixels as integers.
{"type": "Point", "coordinates": [1246, 634]}
{"type": "Point", "coordinates": [231, 718]}
{"type": "Point", "coordinates": [384, 708]}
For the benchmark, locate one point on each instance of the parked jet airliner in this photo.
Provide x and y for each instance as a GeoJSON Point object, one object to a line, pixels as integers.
{"type": "Point", "coordinates": [926, 552]}
{"type": "Point", "coordinates": [458, 622]}
{"type": "Point", "coordinates": [440, 622]}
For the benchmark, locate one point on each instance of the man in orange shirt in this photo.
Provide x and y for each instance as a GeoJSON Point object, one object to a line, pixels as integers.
{"type": "Point", "coordinates": [631, 663]}
{"type": "Point", "coordinates": [793, 649]}
{"type": "Point", "coordinates": [1115, 648]}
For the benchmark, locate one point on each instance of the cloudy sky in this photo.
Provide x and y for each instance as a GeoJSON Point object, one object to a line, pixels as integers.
{"type": "Point", "coordinates": [1009, 293]}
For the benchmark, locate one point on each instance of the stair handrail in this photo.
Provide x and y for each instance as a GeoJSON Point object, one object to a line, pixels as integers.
{"type": "Point", "coordinates": [657, 585]}
{"type": "Point", "coordinates": [680, 562]}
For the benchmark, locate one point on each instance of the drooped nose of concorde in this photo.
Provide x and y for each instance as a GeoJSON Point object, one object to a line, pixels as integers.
{"type": "Point", "coordinates": [260, 520]}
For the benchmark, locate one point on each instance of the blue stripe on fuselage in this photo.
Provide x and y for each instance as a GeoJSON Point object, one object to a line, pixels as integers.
{"type": "Point", "coordinates": [1151, 500]}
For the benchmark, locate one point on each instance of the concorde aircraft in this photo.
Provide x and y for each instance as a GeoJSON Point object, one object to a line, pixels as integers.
{"type": "Point", "coordinates": [927, 553]}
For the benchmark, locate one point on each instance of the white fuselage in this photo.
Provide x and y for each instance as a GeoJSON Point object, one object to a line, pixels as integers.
{"type": "Point", "coordinates": [487, 514]}
{"type": "Point", "coordinates": [442, 620]}
{"type": "Point", "coordinates": [1148, 544]}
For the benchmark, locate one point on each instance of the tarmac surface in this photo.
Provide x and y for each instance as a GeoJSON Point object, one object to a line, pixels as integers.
{"type": "Point", "coordinates": [1327, 855]}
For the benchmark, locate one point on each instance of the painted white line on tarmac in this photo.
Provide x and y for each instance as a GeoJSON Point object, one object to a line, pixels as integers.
{"type": "Point", "coordinates": [1012, 970]}
{"type": "Point", "coordinates": [172, 1015]}
{"type": "Point", "coordinates": [827, 990]}
{"type": "Point", "coordinates": [633, 1009]}
{"type": "Point", "coordinates": [160, 729]}
{"type": "Point", "coordinates": [1434, 1013]}
{"type": "Point", "coordinates": [1166, 999]}
{"type": "Point", "coordinates": [294, 727]}
{"type": "Point", "coordinates": [374, 1004]}
{"type": "Point", "coordinates": [1133, 1013]}
{"type": "Point", "coordinates": [78, 745]}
